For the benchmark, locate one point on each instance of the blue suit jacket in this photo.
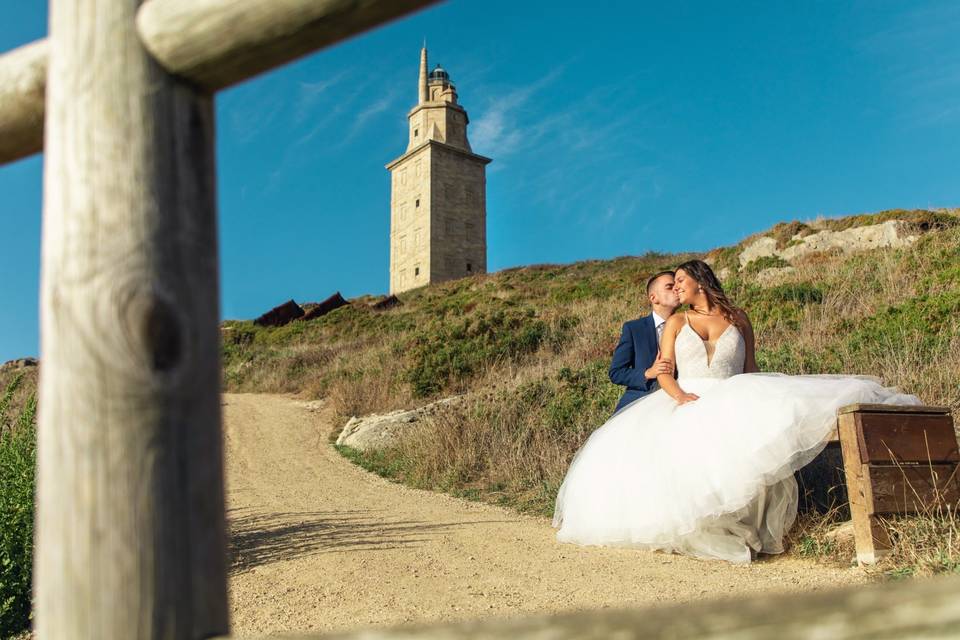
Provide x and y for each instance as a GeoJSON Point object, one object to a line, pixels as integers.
{"type": "Point", "coordinates": [635, 352]}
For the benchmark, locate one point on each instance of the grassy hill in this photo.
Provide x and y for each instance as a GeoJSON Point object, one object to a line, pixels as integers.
{"type": "Point", "coordinates": [530, 347]}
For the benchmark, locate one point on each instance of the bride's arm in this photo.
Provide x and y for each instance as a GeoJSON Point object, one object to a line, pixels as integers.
{"type": "Point", "coordinates": [667, 348]}
{"type": "Point", "coordinates": [750, 363]}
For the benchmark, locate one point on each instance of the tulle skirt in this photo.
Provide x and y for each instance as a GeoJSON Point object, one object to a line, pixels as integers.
{"type": "Point", "coordinates": [711, 478]}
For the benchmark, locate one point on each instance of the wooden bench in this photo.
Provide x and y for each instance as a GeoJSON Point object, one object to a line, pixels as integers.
{"type": "Point", "coordinates": [896, 459]}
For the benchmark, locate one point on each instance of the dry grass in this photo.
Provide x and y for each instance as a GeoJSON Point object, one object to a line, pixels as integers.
{"type": "Point", "coordinates": [892, 313]}
{"type": "Point", "coordinates": [26, 389]}
{"type": "Point", "coordinates": [815, 535]}
{"type": "Point", "coordinates": [924, 544]}
{"type": "Point", "coordinates": [537, 385]}
{"type": "Point", "coordinates": [370, 383]}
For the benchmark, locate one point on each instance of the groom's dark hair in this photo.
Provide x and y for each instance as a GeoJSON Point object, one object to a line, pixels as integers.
{"type": "Point", "coordinates": [656, 277]}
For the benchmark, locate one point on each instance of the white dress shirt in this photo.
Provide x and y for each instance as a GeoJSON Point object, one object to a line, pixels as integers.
{"type": "Point", "coordinates": [658, 322]}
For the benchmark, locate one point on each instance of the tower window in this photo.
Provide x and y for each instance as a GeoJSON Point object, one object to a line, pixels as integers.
{"type": "Point", "coordinates": [418, 202]}
{"type": "Point", "coordinates": [416, 271]}
{"type": "Point", "coordinates": [469, 267]}
{"type": "Point", "coordinates": [416, 132]}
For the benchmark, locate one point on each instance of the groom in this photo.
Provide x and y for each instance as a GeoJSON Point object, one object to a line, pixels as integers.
{"type": "Point", "coordinates": [636, 360]}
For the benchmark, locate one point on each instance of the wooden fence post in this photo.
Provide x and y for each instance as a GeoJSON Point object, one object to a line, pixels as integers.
{"type": "Point", "coordinates": [130, 533]}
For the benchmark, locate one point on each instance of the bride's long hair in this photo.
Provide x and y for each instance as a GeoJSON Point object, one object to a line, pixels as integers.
{"type": "Point", "coordinates": [703, 274]}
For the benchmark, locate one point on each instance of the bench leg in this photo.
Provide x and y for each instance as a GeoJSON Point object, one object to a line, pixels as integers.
{"type": "Point", "coordinates": [870, 536]}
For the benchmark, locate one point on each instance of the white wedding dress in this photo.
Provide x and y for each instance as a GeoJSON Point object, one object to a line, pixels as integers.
{"type": "Point", "coordinates": [711, 478]}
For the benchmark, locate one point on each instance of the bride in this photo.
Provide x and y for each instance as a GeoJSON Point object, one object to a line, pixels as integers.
{"type": "Point", "coordinates": [704, 466]}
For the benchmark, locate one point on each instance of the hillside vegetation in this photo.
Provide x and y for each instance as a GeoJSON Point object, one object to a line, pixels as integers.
{"type": "Point", "coordinates": [530, 348]}
{"type": "Point", "coordinates": [17, 462]}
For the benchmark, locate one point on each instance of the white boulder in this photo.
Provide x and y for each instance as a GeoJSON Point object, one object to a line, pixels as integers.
{"type": "Point", "coordinates": [890, 234]}
{"type": "Point", "coordinates": [379, 431]}
{"type": "Point", "coordinates": [762, 247]}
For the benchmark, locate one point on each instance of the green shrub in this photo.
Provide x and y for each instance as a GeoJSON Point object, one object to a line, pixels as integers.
{"type": "Point", "coordinates": [766, 262]}
{"type": "Point", "coordinates": [578, 400]}
{"type": "Point", "coordinates": [455, 350]}
{"type": "Point", "coordinates": [17, 464]}
{"type": "Point", "coordinates": [725, 258]}
{"type": "Point", "coordinates": [582, 290]}
{"type": "Point", "coordinates": [926, 318]}
{"type": "Point", "coordinates": [780, 306]}
{"type": "Point", "coordinates": [796, 293]}
{"type": "Point", "coordinates": [384, 463]}
{"type": "Point", "coordinates": [794, 359]}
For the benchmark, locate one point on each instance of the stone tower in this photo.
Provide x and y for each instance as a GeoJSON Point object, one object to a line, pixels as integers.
{"type": "Point", "coordinates": [438, 201]}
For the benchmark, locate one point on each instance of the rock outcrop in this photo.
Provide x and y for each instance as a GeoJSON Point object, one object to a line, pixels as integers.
{"type": "Point", "coordinates": [379, 431]}
{"type": "Point", "coordinates": [893, 233]}
{"type": "Point", "coordinates": [280, 315]}
{"type": "Point", "coordinates": [388, 302]}
{"type": "Point", "coordinates": [20, 363]}
{"type": "Point", "coordinates": [763, 247]}
{"type": "Point", "coordinates": [323, 308]}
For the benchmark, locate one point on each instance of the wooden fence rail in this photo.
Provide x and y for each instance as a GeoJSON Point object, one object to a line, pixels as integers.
{"type": "Point", "coordinates": [218, 43]}
{"type": "Point", "coordinates": [212, 44]}
{"type": "Point", "coordinates": [23, 81]}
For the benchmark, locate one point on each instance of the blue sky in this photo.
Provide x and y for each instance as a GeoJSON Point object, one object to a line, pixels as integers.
{"type": "Point", "coordinates": [616, 129]}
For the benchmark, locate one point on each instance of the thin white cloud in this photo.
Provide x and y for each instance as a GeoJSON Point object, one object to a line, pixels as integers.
{"type": "Point", "coordinates": [498, 127]}
{"type": "Point", "coordinates": [372, 110]}
{"type": "Point", "coordinates": [323, 121]}
{"type": "Point", "coordinates": [249, 115]}
{"type": "Point", "coordinates": [310, 93]}
{"type": "Point", "coordinates": [331, 118]}
{"type": "Point", "coordinates": [921, 27]}
{"type": "Point", "coordinates": [598, 133]}
{"type": "Point", "coordinates": [919, 58]}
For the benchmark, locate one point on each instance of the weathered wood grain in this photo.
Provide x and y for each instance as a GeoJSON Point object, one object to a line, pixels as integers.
{"type": "Point", "coordinates": [870, 536]}
{"type": "Point", "coordinates": [23, 79]}
{"type": "Point", "coordinates": [892, 408]}
{"type": "Point", "coordinates": [912, 609]}
{"type": "Point", "coordinates": [906, 437]}
{"type": "Point", "coordinates": [218, 43]}
{"type": "Point", "coordinates": [130, 534]}
{"type": "Point", "coordinates": [914, 489]}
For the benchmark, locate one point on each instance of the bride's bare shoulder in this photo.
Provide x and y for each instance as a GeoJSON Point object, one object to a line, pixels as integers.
{"type": "Point", "coordinates": [675, 321]}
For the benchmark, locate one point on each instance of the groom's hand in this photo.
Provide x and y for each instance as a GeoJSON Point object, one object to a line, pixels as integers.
{"type": "Point", "coordinates": [660, 365]}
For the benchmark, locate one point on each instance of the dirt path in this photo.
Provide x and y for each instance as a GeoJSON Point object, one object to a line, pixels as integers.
{"type": "Point", "coordinates": [322, 545]}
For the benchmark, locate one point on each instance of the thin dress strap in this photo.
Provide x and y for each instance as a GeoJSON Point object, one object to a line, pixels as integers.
{"type": "Point", "coordinates": [687, 318]}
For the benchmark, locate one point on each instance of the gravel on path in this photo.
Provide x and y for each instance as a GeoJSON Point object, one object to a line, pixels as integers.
{"type": "Point", "coordinates": [319, 544]}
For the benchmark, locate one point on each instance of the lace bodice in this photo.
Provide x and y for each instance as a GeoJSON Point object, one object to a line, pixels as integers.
{"type": "Point", "coordinates": [729, 354]}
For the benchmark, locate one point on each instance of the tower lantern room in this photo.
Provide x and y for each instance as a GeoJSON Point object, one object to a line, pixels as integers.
{"type": "Point", "coordinates": [438, 191]}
